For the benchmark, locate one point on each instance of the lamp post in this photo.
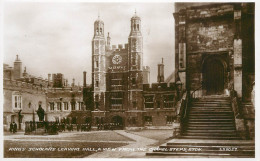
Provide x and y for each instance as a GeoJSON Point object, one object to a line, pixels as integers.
{"type": "Point", "coordinates": [179, 88]}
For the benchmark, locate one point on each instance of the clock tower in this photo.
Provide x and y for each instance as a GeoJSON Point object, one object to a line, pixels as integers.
{"type": "Point", "coordinates": [98, 65]}
{"type": "Point", "coordinates": [135, 58]}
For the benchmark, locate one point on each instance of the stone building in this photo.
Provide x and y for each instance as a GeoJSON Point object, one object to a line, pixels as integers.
{"type": "Point", "coordinates": [21, 101]}
{"type": "Point", "coordinates": [215, 54]}
{"type": "Point", "coordinates": [120, 82]}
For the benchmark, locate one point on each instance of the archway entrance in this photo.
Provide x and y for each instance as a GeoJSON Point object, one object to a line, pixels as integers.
{"type": "Point", "coordinates": [213, 76]}
{"type": "Point", "coordinates": [117, 120]}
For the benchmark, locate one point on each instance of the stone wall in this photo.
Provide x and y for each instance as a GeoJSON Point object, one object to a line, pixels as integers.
{"type": "Point", "coordinates": [31, 95]}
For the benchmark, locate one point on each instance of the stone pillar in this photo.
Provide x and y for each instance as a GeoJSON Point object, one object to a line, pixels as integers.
{"type": "Point", "coordinates": [238, 66]}
{"type": "Point", "coordinates": [181, 47]}
{"type": "Point", "coordinates": [238, 51]}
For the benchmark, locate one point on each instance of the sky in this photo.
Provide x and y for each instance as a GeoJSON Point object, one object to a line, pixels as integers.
{"type": "Point", "coordinates": [56, 37]}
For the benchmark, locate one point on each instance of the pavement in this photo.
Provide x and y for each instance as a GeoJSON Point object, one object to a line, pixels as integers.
{"type": "Point", "coordinates": [140, 147]}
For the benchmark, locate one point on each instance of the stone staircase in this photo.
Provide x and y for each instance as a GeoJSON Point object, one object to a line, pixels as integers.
{"type": "Point", "coordinates": [209, 131]}
{"type": "Point", "coordinates": [210, 118]}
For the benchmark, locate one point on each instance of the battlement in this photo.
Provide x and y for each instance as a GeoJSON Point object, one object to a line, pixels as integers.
{"type": "Point", "coordinates": [159, 87]}
{"type": "Point", "coordinates": [119, 47]}
{"type": "Point", "coordinates": [65, 90]}
{"type": "Point", "coordinates": [146, 68]}
{"type": "Point", "coordinates": [19, 85]}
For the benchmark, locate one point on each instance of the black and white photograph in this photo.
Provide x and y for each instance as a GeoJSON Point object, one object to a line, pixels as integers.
{"type": "Point", "coordinates": [128, 79]}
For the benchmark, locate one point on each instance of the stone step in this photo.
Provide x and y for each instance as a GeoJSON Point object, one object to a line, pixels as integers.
{"type": "Point", "coordinates": [211, 108]}
{"type": "Point", "coordinates": [210, 137]}
{"type": "Point", "coordinates": [210, 131]}
{"type": "Point", "coordinates": [210, 112]}
{"type": "Point", "coordinates": [215, 124]}
{"type": "Point", "coordinates": [211, 128]}
{"type": "Point", "coordinates": [209, 134]}
{"type": "Point", "coordinates": [210, 120]}
{"type": "Point", "coordinates": [212, 117]}
{"type": "Point", "coordinates": [210, 105]}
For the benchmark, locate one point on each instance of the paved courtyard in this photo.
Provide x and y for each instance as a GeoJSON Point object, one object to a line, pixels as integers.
{"type": "Point", "coordinates": [93, 144]}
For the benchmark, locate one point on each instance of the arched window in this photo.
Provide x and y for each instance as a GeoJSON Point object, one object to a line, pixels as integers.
{"type": "Point", "coordinates": [97, 30]}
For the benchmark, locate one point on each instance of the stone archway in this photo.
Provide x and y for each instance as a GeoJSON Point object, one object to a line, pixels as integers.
{"type": "Point", "coordinates": [214, 76]}
{"type": "Point", "coordinates": [118, 120]}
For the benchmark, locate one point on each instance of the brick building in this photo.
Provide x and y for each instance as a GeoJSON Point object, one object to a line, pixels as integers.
{"type": "Point", "coordinates": [120, 82]}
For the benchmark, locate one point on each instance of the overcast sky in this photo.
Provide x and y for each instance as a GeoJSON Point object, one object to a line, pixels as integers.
{"type": "Point", "coordinates": [56, 37]}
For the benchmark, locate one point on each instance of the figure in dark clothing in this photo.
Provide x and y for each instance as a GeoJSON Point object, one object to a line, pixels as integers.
{"type": "Point", "coordinates": [13, 127]}
{"type": "Point", "coordinates": [40, 113]}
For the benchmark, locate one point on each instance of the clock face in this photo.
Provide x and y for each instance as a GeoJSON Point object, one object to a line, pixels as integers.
{"type": "Point", "coordinates": [117, 59]}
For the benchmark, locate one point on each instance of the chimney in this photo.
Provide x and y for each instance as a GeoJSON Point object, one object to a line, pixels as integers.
{"type": "Point", "coordinates": [18, 73]}
{"type": "Point", "coordinates": [84, 79]}
{"type": "Point", "coordinates": [73, 82]}
{"type": "Point", "coordinates": [160, 77]}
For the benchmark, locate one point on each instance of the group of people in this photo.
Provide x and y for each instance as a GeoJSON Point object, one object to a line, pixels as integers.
{"type": "Point", "coordinates": [55, 127]}
{"type": "Point", "coordinates": [13, 127]}
{"type": "Point", "coordinates": [109, 126]}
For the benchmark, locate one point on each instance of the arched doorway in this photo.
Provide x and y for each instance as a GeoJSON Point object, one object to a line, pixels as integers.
{"type": "Point", "coordinates": [213, 77]}
{"type": "Point", "coordinates": [118, 121]}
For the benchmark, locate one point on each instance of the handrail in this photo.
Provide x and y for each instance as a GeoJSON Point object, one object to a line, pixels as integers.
{"type": "Point", "coordinates": [197, 89]}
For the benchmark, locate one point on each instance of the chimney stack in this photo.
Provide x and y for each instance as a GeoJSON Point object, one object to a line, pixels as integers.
{"type": "Point", "coordinates": [73, 82]}
{"type": "Point", "coordinates": [160, 77]}
{"type": "Point", "coordinates": [84, 79]}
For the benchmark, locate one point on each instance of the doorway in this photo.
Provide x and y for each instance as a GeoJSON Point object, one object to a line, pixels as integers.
{"type": "Point", "coordinates": [213, 76]}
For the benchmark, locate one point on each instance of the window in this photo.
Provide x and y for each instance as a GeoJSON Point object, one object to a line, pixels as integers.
{"type": "Point", "coordinates": [169, 119]}
{"type": "Point", "coordinates": [149, 101]}
{"type": "Point", "coordinates": [133, 81]}
{"type": "Point", "coordinates": [51, 106]}
{"type": "Point", "coordinates": [100, 30]}
{"type": "Point", "coordinates": [97, 30]}
{"type": "Point", "coordinates": [138, 27]}
{"type": "Point", "coordinates": [66, 106]}
{"type": "Point", "coordinates": [116, 100]}
{"type": "Point", "coordinates": [158, 104]}
{"type": "Point", "coordinates": [134, 60]}
{"type": "Point", "coordinates": [96, 83]}
{"type": "Point", "coordinates": [17, 100]}
{"type": "Point", "coordinates": [96, 64]}
{"type": "Point", "coordinates": [96, 105]}
{"type": "Point", "coordinates": [73, 107]}
{"type": "Point", "coordinates": [168, 101]}
{"type": "Point", "coordinates": [148, 120]}
{"type": "Point", "coordinates": [80, 104]}
{"type": "Point", "coordinates": [134, 104]}
{"type": "Point", "coordinates": [59, 106]}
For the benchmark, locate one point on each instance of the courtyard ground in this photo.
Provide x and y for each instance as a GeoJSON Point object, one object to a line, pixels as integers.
{"type": "Point", "coordinates": [93, 144]}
